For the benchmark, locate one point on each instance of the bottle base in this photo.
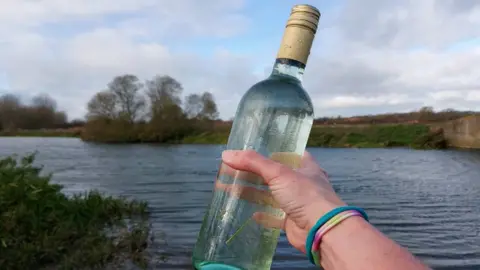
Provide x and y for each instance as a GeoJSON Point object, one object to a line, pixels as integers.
{"type": "Point", "coordinates": [215, 266]}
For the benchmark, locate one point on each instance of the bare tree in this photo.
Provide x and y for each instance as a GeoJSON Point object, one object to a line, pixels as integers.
{"type": "Point", "coordinates": [209, 110]}
{"type": "Point", "coordinates": [164, 95]}
{"type": "Point", "coordinates": [102, 105]}
{"type": "Point", "coordinates": [41, 113]}
{"type": "Point", "coordinates": [163, 92]}
{"type": "Point", "coordinates": [44, 101]}
{"type": "Point", "coordinates": [167, 117]}
{"type": "Point", "coordinates": [426, 109]}
{"type": "Point", "coordinates": [193, 106]}
{"type": "Point", "coordinates": [61, 118]}
{"type": "Point", "coordinates": [10, 109]}
{"type": "Point", "coordinates": [126, 89]}
{"type": "Point", "coordinates": [201, 107]}
{"type": "Point", "coordinates": [425, 114]}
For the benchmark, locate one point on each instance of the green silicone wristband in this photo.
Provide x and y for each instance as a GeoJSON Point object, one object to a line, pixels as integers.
{"type": "Point", "coordinates": [323, 220]}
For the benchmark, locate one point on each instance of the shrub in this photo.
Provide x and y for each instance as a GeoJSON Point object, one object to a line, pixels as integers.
{"type": "Point", "coordinates": [41, 227]}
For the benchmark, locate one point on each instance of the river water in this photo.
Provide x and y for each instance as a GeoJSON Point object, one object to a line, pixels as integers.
{"type": "Point", "coordinates": [428, 201]}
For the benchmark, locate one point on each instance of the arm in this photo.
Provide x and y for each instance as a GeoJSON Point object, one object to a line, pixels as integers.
{"type": "Point", "coordinates": [354, 244]}
{"type": "Point", "coordinates": [306, 195]}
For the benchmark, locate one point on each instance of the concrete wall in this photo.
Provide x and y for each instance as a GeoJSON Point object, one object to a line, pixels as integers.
{"type": "Point", "coordinates": [463, 132]}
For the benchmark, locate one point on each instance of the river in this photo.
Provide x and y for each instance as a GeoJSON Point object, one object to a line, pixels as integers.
{"type": "Point", "coordinates": [428, 201]}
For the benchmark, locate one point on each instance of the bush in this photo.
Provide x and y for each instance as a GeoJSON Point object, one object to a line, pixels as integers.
{"type": "Point", "coordinates": [40, 227]}
{"type": "Point", "coordinates": [431, 140]}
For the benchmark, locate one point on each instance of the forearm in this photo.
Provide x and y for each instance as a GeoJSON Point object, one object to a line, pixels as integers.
{"type": "Point", "coordinates": [356, 245]}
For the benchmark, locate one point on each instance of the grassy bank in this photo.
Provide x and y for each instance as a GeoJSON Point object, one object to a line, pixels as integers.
{"type": "Point", "coordinates": [372, 136]}
{"type": "Point", "coordinates": [42, 228]}
{"type": "Point", "coordinates": [219, 137]}
{"type": "Point", "coordinates": [360, 136]}
{"type": "Point", "coordinates": [71, 132]}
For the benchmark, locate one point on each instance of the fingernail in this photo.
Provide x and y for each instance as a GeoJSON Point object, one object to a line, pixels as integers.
{"type": "Point", "coordinates": [228, 155]}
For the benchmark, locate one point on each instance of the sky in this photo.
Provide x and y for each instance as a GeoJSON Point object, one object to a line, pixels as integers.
{"type": "Point", "coordinates": [369, 56]}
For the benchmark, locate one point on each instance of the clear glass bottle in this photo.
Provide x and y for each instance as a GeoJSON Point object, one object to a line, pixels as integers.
{"type": "Point", "coordinates": [274, 118]}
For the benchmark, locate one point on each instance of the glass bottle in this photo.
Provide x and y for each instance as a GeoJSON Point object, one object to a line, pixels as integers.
{"type": "Point", "coordinates": [274, 118]}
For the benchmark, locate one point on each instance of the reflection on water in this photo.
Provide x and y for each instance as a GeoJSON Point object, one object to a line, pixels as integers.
{"type": "Point", "coordinates": [429, 201]}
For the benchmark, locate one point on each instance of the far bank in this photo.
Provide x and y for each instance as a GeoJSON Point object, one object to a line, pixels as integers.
{"type": "Point", "coordinates": [68, 133]}
{"type": "Point", "coordinates": [366, 136]}
{"type": "Point", "coordinates": [463, 132]}
{"type": "Point", "coordinates": [417, 136]}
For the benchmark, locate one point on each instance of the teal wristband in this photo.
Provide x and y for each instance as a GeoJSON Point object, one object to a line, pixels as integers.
{"type": "Point", "coordinates": [323, 220]}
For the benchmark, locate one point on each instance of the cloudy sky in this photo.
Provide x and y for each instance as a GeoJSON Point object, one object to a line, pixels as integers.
{"type": "Point", "coordinates": [369, 56]}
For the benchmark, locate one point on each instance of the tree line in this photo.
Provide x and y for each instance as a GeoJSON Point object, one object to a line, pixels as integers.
{"type": "Point", "coordinates": [424, 115]}
{"type": "Point", "coordinates": [40, 113]}
{"type": "Point", "coordinates": [129, 110]}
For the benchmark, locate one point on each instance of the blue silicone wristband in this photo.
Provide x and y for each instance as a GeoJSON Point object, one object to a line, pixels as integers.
{"type": "Point", "coordinates": [323, 220]}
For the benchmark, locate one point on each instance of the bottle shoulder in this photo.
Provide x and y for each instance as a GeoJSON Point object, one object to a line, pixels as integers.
{"type": "Point", "coordinates": [279, 92]}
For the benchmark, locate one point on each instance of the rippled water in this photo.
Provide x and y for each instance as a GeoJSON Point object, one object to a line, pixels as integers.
{"type": "Point", "coordinates": [429, 201]}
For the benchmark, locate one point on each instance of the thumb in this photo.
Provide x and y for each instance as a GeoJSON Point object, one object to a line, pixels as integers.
{"type": "Point", "coordinates": [308, 160]}
{"type": "Point", "coordinates": [310, 166]}
{"type": "Point", "coordinates": [249, 160]}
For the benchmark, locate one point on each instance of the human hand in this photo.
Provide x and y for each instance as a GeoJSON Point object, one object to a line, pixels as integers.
{"type": "Point", "coordinates": [304, 194]}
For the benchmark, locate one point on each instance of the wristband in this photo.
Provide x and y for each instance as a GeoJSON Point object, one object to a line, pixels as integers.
{"type": "Point", "coordinates": [324, 219]}
{"type": "Point", "coordinates": [315, 250]}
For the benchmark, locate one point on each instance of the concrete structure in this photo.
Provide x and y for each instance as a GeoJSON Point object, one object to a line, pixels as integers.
{"type": "Point", "coordinates": [463, 132]}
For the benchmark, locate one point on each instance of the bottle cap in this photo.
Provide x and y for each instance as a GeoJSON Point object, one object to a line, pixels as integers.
{"type": "Point", "coordinates": [304, 16]}
{"type": "Point", "coordinates": [299, 33]}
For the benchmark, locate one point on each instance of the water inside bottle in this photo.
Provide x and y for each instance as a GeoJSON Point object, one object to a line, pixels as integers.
{"type": "Point", "coordinates": [231, 238]}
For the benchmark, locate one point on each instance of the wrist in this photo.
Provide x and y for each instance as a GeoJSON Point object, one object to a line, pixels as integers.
{"type": "Point", "coordinates": [343, 235]}
{"type": "Point", "coordinates": [344, 230]}
{"type": "Point", "coordinates": [320, 208]}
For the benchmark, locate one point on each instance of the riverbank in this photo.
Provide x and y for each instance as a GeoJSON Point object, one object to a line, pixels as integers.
{"type": "Point", "coordinates": [70, 132]}
{"type": "Point", "coordinates": [41, 227]}
{"type": "Point", "coordinates": [353, 136]}
{"type": "Point", "coordinates": [417, 136]}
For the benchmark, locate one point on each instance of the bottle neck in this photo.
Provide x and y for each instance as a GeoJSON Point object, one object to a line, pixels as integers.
{"type": "Point", "coordinates": [288, 68]}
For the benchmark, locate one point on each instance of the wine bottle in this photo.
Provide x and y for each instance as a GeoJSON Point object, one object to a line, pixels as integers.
{"type": "Point", "coordinates": [274, 118]}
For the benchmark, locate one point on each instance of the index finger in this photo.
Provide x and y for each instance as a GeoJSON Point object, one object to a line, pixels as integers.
{"type": "Point", "coordinates": [250, 177]}
{"type": "Point", "coordinates": [268, 169]}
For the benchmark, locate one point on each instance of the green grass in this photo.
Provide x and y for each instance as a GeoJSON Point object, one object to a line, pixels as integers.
{"type": "Point", "coordinates": [359, 136]}
{"type": "Point", "coordinates": [42, 133]}
{"type": "Point", "coordinates": [42, 228]}
{"type": "Point", "coordinates": [371, 136]}
{"type": "Point", "coordinates": [364, 136]}
{"type": "Point", "coordinates": [207, 138]}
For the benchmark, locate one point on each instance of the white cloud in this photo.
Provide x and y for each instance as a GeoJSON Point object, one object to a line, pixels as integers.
{"type": "Point", "coordinates": [85, 64]}
{"type": "Point", "coordinates": [399, 48]}
{"type": "Point", "coordinates": [361, 101]}
{"type": "Point", "coordinates": [369, 56]}
{"type": "Point", "coordinates": [73, 68]}
{"type": "Point", "coordinates": [445, 95]}
{"type": "Point", "coordinates": [407, 23]}
{"type": "Point", "coordinates": [473, 95]}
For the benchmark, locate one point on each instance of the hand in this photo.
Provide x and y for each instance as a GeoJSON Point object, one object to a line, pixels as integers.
{"type": "Point", "coordinates": [304, 194]}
